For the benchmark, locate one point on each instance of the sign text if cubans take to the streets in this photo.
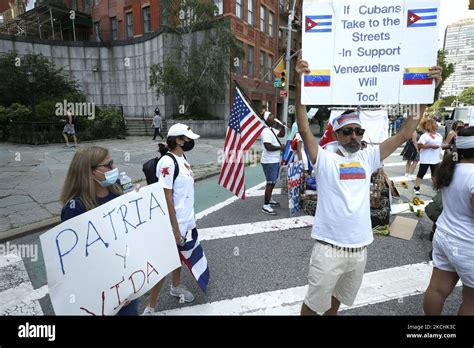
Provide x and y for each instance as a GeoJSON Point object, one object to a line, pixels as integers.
{"type": "Point", "coordinates": [100, 260]}
{"type": "Point", "coordinates": [369, 52]}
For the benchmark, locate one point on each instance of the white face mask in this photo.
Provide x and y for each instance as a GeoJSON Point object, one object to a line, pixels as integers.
{"type": "Point", "coordinates": [347, 153]}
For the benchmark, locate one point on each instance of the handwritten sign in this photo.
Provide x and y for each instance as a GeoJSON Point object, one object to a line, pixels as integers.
{"type": "Point", "coordinates": [295, 179]}
{"type": "Point", "coordinates": [101, 259]}
{"type": "Point", "coordinates": [369, 52]}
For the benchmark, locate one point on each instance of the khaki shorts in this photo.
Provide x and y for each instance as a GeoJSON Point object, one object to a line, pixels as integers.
{"type": "Point", "coordinates": [334, 272]}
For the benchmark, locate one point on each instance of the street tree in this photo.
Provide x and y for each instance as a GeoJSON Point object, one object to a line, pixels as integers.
{"type": "Point", "coordinates": [467, 96]}
{"type": "Point", "coordinates": [205, 52]}
{"type": "Point", "coordinates": [448, 70]}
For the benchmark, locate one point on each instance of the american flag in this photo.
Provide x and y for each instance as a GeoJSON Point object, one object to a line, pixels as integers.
{"type": "Point", "coordinates": [244, 128]}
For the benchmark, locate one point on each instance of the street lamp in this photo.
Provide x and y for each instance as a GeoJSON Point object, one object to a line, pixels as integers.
{"type": "Point", "coordinates": [32, 80]}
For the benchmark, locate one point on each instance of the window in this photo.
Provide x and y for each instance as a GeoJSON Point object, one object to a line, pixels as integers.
{"type": "Point", "coordinates": [74, 4]}
{"type": "Point", "coordinates": [146, 20]}
{"type": "Point", "coordinates": [240, 68]}
{"type": "Point", "coordinates": [239, 9]}
{"type": "Point", "coordinates": [129, 24]}
{"type": "Point", "coordinates": [97, 31]}
{"type": "Point", "coordinates": [262, 65]}
{"type": "Point", "coordinates": [250, 59]}
{"type": "Point", "coordinates": [269, 67]}
{"type": "Point", "coordinates": [85, 6]}
{"type": "Point", "coordinates": [270, 23]}
{"type": "Point", "coordinates": [251, 10]}
{"type": "Point", "coordinates": [263, 25]}
{"type": "Point", "coordinates": [96, 2]}
{"type": "Point", "coordinates": [220, 7]}
{"type": "Point", "coordinates": [114, 26]}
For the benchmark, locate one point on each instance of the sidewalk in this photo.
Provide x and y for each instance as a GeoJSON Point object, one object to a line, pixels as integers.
{"type": "Point", "coordinates": [31, 177]}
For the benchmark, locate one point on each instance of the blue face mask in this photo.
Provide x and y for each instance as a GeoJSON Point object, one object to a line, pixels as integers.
{"type": "Point", "coordinates": [110, 178]}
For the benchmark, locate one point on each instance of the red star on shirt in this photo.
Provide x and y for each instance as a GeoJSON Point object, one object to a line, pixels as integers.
{"type": "Point", "coordinates": [165, 171]}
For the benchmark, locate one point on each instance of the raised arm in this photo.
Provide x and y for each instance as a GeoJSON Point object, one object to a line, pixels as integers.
{"type": "Point", "coordinates": [301, 115]}
{"type": "Point", "coordinates": [409, 126]}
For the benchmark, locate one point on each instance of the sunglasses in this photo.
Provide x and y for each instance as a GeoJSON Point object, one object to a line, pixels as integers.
{"type": "Point", "coordinates": [348, 131]}
{"type": "Point", "coordinates": [109, 165]}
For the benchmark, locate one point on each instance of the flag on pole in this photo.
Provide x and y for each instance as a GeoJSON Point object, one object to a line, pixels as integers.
{"type": "Point", "coordinates": [244, 128]}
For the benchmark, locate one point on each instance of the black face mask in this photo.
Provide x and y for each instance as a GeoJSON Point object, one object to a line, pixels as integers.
{"type": "Point", "coordinates": [188, 145]}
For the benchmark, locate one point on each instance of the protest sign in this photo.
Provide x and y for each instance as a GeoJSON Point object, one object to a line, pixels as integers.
{"type": "Point", "coordinates": [101, 259]}
{"type": "Point", "coordinates": [295, 179]}
{"type": "Point", "coordinates": [369, 52]}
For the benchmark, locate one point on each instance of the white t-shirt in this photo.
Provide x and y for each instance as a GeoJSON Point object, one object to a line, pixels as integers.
{"type": "Point", "coordinates": [268, 136]}
{"type": "Point", "coordinates": [183, 190]}
{"type": "Point", "coordinates": [430, 156]}
{"type": "Point", "coordinates": [303, 152]}
{"type": "Point", "coordinates": [343, 211]}
{"type": "Point", "coordinates": [457, 218]}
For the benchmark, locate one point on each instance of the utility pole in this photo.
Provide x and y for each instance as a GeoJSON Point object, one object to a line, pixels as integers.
{"type": "Point", "coordinates": [291, 16]}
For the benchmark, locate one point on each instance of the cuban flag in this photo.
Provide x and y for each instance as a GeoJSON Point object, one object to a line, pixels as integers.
{"type": "Point", "coordinates": [318, 24]}
{"type": "Point", "coordinates": [417, 76]}
{"type": "Point", "coordinates": [194, 258]}
{"type": "Point", "coordinates": [425, 17]}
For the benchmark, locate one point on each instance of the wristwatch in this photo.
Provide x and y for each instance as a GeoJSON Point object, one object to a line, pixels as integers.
{"type": "Point", "coordinates": [182, 241]}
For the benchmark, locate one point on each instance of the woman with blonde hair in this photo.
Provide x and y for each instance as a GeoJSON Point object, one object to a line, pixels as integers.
{"type": "Point", "coordinates": [429, 145]}
{"type": "Point", "coordinates": [92, 180]}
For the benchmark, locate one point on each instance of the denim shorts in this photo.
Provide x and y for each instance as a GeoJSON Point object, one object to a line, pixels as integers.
{"type": "Point", "coordinates": [272, 172]}
{"type": "Point", "coordinates": [131, 309]}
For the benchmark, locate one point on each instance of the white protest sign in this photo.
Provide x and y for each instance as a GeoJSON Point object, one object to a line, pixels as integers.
{"type": "Point", "coordinates": [369, 52]}
{"type": "Point", "coordinates": [295, 179]}
{"type": "Point", "coordinates": [312, 112]}
{"type": "Point", "coordinates": [116, 252]}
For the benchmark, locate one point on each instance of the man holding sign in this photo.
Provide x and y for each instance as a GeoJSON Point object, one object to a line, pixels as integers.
{"type": "Point", "coordinates": [342, 226]}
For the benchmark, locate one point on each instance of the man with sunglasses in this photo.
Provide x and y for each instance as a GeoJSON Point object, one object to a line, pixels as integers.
{"type": "Point", "coordinates": [342, 226]}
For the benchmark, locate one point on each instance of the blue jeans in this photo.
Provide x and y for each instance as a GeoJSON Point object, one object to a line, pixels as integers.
{"type": "Point", "coordinates": [272, 172]}
{"type": "Point", "coordinates": [129, 310]}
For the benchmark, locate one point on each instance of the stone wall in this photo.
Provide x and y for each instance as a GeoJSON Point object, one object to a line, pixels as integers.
{"type": "Point", "coordinates": [114, 74]}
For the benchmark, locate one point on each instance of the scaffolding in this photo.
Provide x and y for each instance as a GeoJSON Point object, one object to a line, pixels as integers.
{"type": "Point", "coordinates": [50, 20]}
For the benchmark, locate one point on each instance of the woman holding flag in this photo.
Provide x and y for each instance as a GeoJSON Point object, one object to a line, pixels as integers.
{"type": "Point", "coordinates": [175, 172]}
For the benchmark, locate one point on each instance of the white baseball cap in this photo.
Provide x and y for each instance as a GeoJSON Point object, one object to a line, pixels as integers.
{"type": "Point", "coordinates": [181, 129]}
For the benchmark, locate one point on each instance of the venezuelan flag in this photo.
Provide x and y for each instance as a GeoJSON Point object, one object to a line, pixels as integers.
{"type": "Point", "coordinates": [318, 78]}
{"type": "Point", "coordinates": [351, 171]}
{"type": "Point", "coordinates": [417, 76]}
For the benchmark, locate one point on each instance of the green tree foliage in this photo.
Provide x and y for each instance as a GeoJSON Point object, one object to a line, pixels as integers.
{"type": "Point", "coordinates": [467, 96]}
{"type": "Point", "coordinates": [49, 82]}
{"type": "Point", "coordinates": [448, 70]}
{"type": "Point", "coordinates": [204, 53]}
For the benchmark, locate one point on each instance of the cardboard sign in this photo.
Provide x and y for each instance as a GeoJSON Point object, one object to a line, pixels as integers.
{"type": "Point", "coordinates": [403, 227]}
{"type": "Point", "coordinates": [369, 52]}
{"type": "Point", "coordinates": [115, 253]}
{"type": "Point", "coordinates": [295, 179]}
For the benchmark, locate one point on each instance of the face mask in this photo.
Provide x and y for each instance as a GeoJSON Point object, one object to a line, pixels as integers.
{"type": "Point", "coordinates": [110, 178]}
{"type": "Point", "coordinates": [188, 145]}
{"type": "Point", "coordinates": [347, 153]}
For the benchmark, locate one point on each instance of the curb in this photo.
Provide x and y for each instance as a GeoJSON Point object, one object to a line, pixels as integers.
{"type": "Point", "coordinates": [51, 222]}
{"type": "Point", "coordinates": [28, 229]}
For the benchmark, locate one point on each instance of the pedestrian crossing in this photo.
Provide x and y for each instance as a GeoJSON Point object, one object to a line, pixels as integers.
{"type": "Point", "coordinates": [18, 297]}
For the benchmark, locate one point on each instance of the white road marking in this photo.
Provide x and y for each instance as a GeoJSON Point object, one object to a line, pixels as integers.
{"type": "Point", "coordinates": [394, 164]}
{"type": "Point", "coordinates": [21, 299]}
{"type": "Point", "coordinates": [389, 284]}
{"type": "Point", "coordinates": [228, 201]}
{"type": "Point", "coordinates": [255, 227]}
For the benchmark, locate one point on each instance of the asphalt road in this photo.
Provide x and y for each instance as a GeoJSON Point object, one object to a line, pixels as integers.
{"type": "Point", "coordinates": [249, 269]}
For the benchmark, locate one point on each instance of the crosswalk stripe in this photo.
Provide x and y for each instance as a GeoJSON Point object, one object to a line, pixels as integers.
{"type": "Point", "coordinates": [21, 299]}
{"type": "Point", "coordinates": [394, 164]}
{"type": "Point", "coordinates": [255, 227]}
{"type": "Point", "coordinates": [379, 286]}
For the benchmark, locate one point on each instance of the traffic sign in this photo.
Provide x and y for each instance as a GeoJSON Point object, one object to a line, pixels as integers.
{"type": "Point", "coordinates": [283, 94]}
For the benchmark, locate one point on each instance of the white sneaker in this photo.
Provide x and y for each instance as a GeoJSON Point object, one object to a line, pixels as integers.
{"type": "Point", "coordinates": [274, 203]}
{"type": "Point", "coordinates": [148, 311]}
{"type": "Point", "coordinates": [416, 191]}
{"type": "Point", "coordinates": [181, 292]}
{"type": "Point", "coordinates": [267, 209]}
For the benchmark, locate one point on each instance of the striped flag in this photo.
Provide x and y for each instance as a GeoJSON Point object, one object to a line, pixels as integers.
{"type": "Point", "coordinates": [193, 257]}
{"type": "Point", "coordinates": [244, 128]}
{"type": "Point", "coordinates": [424, 17]}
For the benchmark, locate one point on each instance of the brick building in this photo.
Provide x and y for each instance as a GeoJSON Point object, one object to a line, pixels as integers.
{"type": "Point", "coordinates": [255, 24]}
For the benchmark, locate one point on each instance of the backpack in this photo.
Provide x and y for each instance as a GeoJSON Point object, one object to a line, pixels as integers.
{"type": "Point", "coordinates": [149, 168]}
